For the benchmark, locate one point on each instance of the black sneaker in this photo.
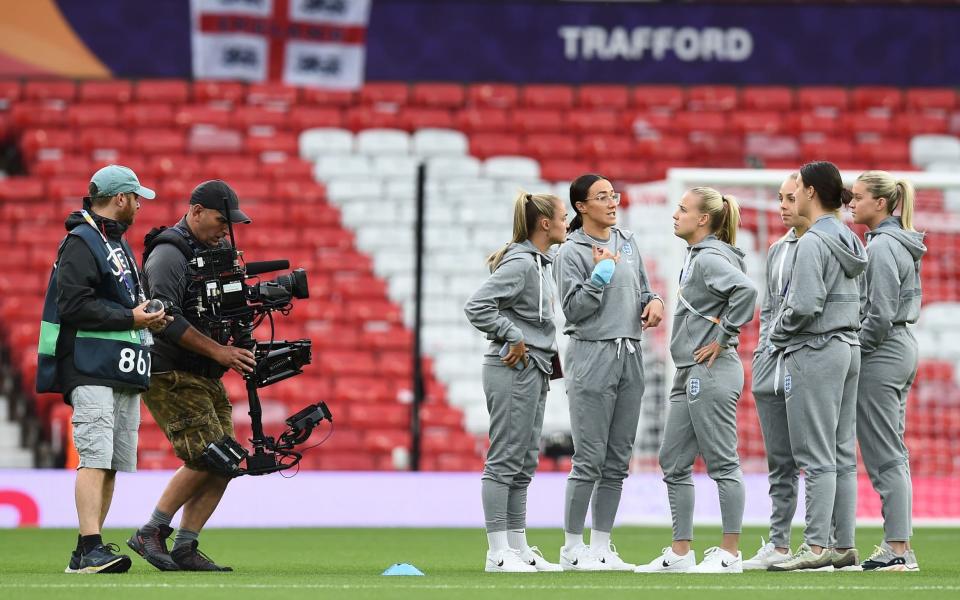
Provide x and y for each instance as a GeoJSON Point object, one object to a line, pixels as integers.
{"type": "Point", "coordinates": [188, 558]}
{"type": "Point", "coordinates": [150, 542]}
{"type": "Point", "coordinates": [104, 559]}
{"type": "Point", "coordinates": [74, 565]}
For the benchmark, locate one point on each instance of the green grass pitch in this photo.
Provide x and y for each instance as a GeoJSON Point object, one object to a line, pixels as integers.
{"type": "Point", "coordinates": [346, 564]}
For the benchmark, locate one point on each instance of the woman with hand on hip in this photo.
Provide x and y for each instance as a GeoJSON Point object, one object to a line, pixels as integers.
{"type": "Point", "coordinates": [768, 391]}
{"type": "Point", "coordinates": [514, 307]}
{"type": "Point", "coordinates": [716, 299]}
{"type": "Point", "coordinates": [607, 302]}
{"type": "Point", "coordinates": [816, 331]}
{"type": "Point", "coordinates": [889, 356]}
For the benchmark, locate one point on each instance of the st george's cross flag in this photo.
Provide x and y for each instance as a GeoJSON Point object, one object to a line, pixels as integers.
{"type": "Point", "coordinates": [314, 43]}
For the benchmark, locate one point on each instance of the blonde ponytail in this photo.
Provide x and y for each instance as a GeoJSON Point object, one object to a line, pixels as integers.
{"type": "Point", "coordinates": [898, 192]}
{"type": "Point", "coordinates": [724, 213]}
{"type": "Point", "coordinates": [527, 208]}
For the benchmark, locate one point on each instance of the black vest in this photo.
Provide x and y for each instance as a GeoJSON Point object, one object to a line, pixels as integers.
{"type": "Point", "coordinates": [113, 355]}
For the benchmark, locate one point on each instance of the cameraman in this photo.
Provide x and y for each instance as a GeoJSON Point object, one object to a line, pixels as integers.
{"type": "Point", "coordinates": [186, 396]}
{"type": "Point", "coordinates": [94, 351]}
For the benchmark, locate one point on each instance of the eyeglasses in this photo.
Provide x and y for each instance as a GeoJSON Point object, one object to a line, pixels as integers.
{"type": "Point", "coordinates": [615, 198]}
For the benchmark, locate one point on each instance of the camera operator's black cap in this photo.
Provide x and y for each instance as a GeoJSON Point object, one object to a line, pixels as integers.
{"type": "Point", "coordinates": [210, 194]}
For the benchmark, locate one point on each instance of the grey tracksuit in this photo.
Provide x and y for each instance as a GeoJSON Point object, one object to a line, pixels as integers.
{"type": "Point", "coordinates": [514, 304]}
{"type": "Point", "coordinates": [604, 371]}
{"type": "Point", "coordinates": [889, 366]}
{"type": "Point", "coordinates": [783, 472]}
{"type": "Point", "coordinates": [702, 418]}
{"type": "Point", "coordinates": [816, 329]}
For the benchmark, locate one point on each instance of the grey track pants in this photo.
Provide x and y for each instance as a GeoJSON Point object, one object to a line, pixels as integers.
{"type": "Point", "coordinates": [821, 399]}
{"type": "Point", "coordinates": [886, 376]}
{"type": "Point", "coordinates": [702, 419]}
{"type": "Point", "coordinates": [515, 401]}
{"type": "Point", "coordinates": [782, 471]}
{"type": "Point", "coordinates": [604, 386]}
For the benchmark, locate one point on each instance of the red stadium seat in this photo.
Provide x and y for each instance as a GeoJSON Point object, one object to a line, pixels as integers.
{"type": "Point", "coordinates": [169, 91]}
{"type": "Point", "coordinates": [813, 97]}
{"type": "Point", "coordinates": [833, 149]}
{"type": "Point", "coordinates": [307, 117]}
{"type": "Point", "coordinates": [24, 115]}
{"type": "Point", "coordinates": [494, 95]}
{"type": "Point", "coordinates": [34, 140]}
{"type": "Point", "coordinates": [867, 97]}
{"type": "Point", "coordinates": [322, 97]}
{"type": "Point", "coordinates": [813, 121]}
{"type": "Point", "coordinates": [118, 91]}
{"type": "Point", "coordinates": [547, 96]}
{"type": "Point", "coordinates": [484, 145]}
{"type": "Point", "coordinates": [253, 116]}
{"type": "Point", "coordinates": [593, 121]}
{"type": "Point", "coordinates": [479, 119]}
{"type": "Point", "coordinates": [602, 146]}
{"type": "Point", "coordinates": [272, 93]}
{"type": "Point", "coordinates": [50, 90]}
{"type": "Point", "coordinates": [165, 141]}
{"type": "Point", "coordinates": [607, 97]}
{"type": "Point", "coordinates": [712, 97]}
{"type": "Point", "coordinates": [710, 122]}
{"type": "Point", "coordinates": [141, 114]}
{"type": "Point", "coordinates": [549, 145]}
{"type": "Point", "coordinates": [887, 151]}
{"type": "Point", "coordinates": [672, 148]}
{"type": "Point", "coordinates": [931, 99]}
{"type": "Point", "coordinates": [371, 117]}
{"type": "Point", "coordinates": [213, 90]}
{"type": "Point", "coordinates": [564, 169]}
{"type": "Point", "coordinates": [757, 122]}
{"type": "Point", "coordinates": [21, 188]}
{"type": "Point", "coordinates": [659, 96]}
{"type": "Point", "coordinates": [101, 138]}
{"type": "Point", "coordinates": [920, 123]}
{"type": "Point", "coordinates": [189, 115]}
{"type": "Point", "coordinates": [289, 169]}
{"type": "Point", "coordinates": [10, 91]}
{"type": "Point", "coordinates": [387, 93]}
{"type": "Point", "coordinates": [622, 171]}
{"type": "Point", "coordinates": [438, 95]}
{"type": "Point", "coordinates": [868, 122]}
{"type": "Point", "coordinates": [767, 98]}
{"type": "Point", "coordinates": [93, 115]}
{"type": "Point", "coordinates": [413, 118]}
{"type": "Point", "coordinates": [537, 120]}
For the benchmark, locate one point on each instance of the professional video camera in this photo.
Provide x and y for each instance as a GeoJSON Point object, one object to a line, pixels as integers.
{"type": "Point", "coordinates": [227, 301]}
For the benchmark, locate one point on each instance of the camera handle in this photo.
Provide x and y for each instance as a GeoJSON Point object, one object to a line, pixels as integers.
{"type": "Point", "coordinates": [260, 460]}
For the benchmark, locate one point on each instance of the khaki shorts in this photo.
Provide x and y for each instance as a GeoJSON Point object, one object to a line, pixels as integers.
{"type": "Point", "coordinates": [105, 423]}
{"type": "Point", "coordinates": [193, 411]}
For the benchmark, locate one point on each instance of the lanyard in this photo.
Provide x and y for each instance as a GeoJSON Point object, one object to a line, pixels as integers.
{"type": "Point", "coordinates": [116, 260]}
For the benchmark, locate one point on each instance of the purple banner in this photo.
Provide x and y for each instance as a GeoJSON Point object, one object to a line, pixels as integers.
{"type": "Point", "coordinates": [582, 42]}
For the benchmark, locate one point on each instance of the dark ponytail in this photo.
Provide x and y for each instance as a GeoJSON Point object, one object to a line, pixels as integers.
{"type": "Point", "coordinates": [825, 178]}
{"type": "Point", "coordinates": [579, 189]}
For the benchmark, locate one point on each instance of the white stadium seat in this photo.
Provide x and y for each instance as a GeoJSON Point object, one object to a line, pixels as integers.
{"type": "Point", "coordinates": [314, 143]}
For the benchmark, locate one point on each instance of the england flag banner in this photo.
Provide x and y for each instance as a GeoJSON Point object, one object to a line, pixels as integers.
{"type": "Point", "coordinates": [313, 43]}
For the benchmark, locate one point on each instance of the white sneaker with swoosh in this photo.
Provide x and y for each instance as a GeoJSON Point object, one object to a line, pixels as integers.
{"type": "Point", "coordinates": [718, 560]}
{"type": "Point", "coordinates": [507, 561]}
{"type": "Point", "coordinates": [532, 556]}
{"type": "Point", "coordinates": [669, 562]}
{"type": "Point", "coordinates": [580, 558]}
{"type": "Point", "coordinates": [610, 557]}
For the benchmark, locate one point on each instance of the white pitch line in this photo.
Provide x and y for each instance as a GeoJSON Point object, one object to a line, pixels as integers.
{"type": "Point", "coordinates": [560, 586]}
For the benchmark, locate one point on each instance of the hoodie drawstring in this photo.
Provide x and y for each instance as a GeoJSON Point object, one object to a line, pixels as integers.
{"type": "Point", "coordinates": [625, 342]}
{"type": "Point", "coordinates": [540, 282]}
{"type": "Point", "coordinates": [776, 373]}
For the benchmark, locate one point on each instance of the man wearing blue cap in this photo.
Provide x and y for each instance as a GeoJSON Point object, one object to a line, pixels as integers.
{"type": "Point", "coordinates": [94, 349]}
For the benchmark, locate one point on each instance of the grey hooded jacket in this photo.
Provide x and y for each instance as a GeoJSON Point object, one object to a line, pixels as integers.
{"type": "Point", "coordinates": [608, 312]}
{"type": "Point", "coordinates": [515, 304]}
{"type": "Point", "coordinates": [778, 271]}
{"type": "Point", "coordinates": [715, 285]}
{"type": "Point", "coordinates": [893, 281]}
{"type": "Point", "coordinates": [823, 299]}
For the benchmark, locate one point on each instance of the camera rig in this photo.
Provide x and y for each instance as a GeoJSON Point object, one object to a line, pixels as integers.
{"type": "Point", "coordinates": [228, 303]}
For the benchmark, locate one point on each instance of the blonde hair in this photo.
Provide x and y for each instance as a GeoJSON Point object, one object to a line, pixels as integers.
{"type": "Point", "coordinates": [900, 192]}
{"type": "Point", "coordinates": [724, 213]}
{"type": "Point", "coordinates": [527, 208]}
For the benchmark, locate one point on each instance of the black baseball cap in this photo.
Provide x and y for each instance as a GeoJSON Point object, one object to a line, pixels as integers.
{"type": "Point", "coordinates": [212, 193]}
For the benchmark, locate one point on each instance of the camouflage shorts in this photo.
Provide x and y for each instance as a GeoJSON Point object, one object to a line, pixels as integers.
{"type": "Point", "coordinates": [192, 411]}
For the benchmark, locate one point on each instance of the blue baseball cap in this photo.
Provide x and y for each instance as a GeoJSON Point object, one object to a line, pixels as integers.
{"type": "Point", "coordinates": [114, 179]}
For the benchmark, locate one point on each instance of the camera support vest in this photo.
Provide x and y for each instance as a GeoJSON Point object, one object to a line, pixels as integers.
{"type": "Point", "coordinates": [114, 355]}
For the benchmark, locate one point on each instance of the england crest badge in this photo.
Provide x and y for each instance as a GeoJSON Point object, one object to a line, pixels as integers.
{"type": "Point", "coordinates": [627, 249]}
{"type": "Point", "coordinates": [787, 383]}
{"type": "Point", "coordinates": [694, 387]}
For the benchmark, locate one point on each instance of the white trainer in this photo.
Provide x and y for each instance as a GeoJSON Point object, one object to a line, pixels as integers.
{"type": "Point", "coordinates": [507, 561]}
{"type": "Point", "coordinates": [611, 558]}
{"type": "Point", "coordinates": [718, 560]}
{"type": "Point", "coordinates": [580, 558]}
{"type": "Point", "coordinates": [669, 562]}
{"type": "Point", "coordinates": [532, 556]}
{"type": "Point", "coordinates": [767, 555]}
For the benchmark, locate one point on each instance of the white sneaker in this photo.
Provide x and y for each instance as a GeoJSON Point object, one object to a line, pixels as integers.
{"type": "Point", "coordinates": [767, 555]}
{"type": "Point", "coordinates": [532, 556]}
{"type": "Point", "coordinates": [718, 560]}
{"type": "Point", "coordinates": [669, 562]}
{"type": "Point", "coordinates": [580, 558]}
{"type": "Point", "coordinates": [609, 557]}
{"type": "Point", "coordinates": [507, 561]}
